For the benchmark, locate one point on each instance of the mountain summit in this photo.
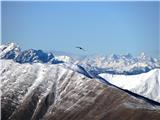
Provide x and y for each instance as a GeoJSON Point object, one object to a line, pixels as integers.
{"type": "Point", "coordinates": [12, 51]}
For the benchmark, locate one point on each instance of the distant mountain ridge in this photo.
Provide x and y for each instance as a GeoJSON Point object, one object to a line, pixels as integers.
{"type": "Point", "coordinates": [115, 64]}
{"type": "Point", "coordinates": [12, 51]}
{"type": "Point", "coordinates": [120, 64]}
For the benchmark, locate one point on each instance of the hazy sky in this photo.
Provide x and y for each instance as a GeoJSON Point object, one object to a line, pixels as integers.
{"type": "Point", "coordinates": [99, 27]}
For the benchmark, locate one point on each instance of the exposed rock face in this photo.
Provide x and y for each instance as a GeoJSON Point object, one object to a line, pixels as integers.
{"type": "Point", "coordinates": [53, 92]}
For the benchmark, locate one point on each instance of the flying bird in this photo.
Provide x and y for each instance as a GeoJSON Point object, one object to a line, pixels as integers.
{"type": "Point", "coordinates": [80, 48]}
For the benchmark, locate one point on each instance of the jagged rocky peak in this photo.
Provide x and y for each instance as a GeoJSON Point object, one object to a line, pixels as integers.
{"type": "Point", "coordinates": [10, 46]}
{"type": "Point", "coordinates": [10, 51]}
{"type": "Point", "coordinates": [129, 56]}
{"type": "Point", "coordinates": [13, 51]}
{"type": "Point", "coordinates": [143, 57]}
{"type": "Point", "coordinates": [114, 57]}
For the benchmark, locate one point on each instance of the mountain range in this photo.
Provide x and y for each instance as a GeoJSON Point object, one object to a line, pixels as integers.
{"type": "Point", "coordinates": [38, 85]}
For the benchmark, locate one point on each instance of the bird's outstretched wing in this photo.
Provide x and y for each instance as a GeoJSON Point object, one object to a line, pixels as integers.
{"type": "Point", "coordinates": [80, 48]}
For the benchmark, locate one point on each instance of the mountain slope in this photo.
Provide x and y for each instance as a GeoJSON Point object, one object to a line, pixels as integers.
{"type": "Point", "coordinates": [54, 92]}
{"type": "Point", "coordinates": [145, 84]}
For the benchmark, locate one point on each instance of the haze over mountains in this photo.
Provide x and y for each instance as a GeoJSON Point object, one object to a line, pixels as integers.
{"type": "Point", "coordinates": [37, 85]}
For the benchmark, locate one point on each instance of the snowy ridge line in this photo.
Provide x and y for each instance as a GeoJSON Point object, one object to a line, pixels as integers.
{"type": "Point", "coordinates": [145, 84]}
{"type": "Point", "coordinates": [153, 102]}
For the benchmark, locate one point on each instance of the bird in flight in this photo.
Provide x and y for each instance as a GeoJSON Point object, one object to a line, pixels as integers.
{"type": "Point", "coordinates": [80, 48]}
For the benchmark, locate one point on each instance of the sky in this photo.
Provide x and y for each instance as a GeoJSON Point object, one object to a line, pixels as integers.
{"type": "Point", "coordinates": [101, 28]}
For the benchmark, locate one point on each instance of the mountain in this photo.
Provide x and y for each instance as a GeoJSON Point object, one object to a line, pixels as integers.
{"type": "Point", "coordinates": [120, 64]}
{"type": "Point", "coordinates": [9, 51]}
{"type": "Point", "coordinates": [53, 92]}
{"type": "Point", "coordinates": [37, 85]}
{"type": "Point", "coordinates": [145, 84]}
{"type": "Point", "coordinates": [12, 51]}
{"type": "Point", "coordinates": [115, 64]}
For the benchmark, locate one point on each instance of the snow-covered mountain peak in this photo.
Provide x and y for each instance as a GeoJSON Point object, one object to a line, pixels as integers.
{"type": "Point", "coordinates": [9, 50]}
{"type": "Point", "coordinates": [12, 51]}
{"type": "Point", "coordinates": [142, 54]}
{"type": "Point", "coordinates": [113, 57]}
{"type": "Point", "coordinates": [129, 56]}
{"type": "Point", "coordinates": [64, 58]}
{"type": "Point", "coordinates": [9, 46]}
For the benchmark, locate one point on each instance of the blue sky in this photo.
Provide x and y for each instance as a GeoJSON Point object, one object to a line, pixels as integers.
{"type": "Point", "coordinates": [100, 27]}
